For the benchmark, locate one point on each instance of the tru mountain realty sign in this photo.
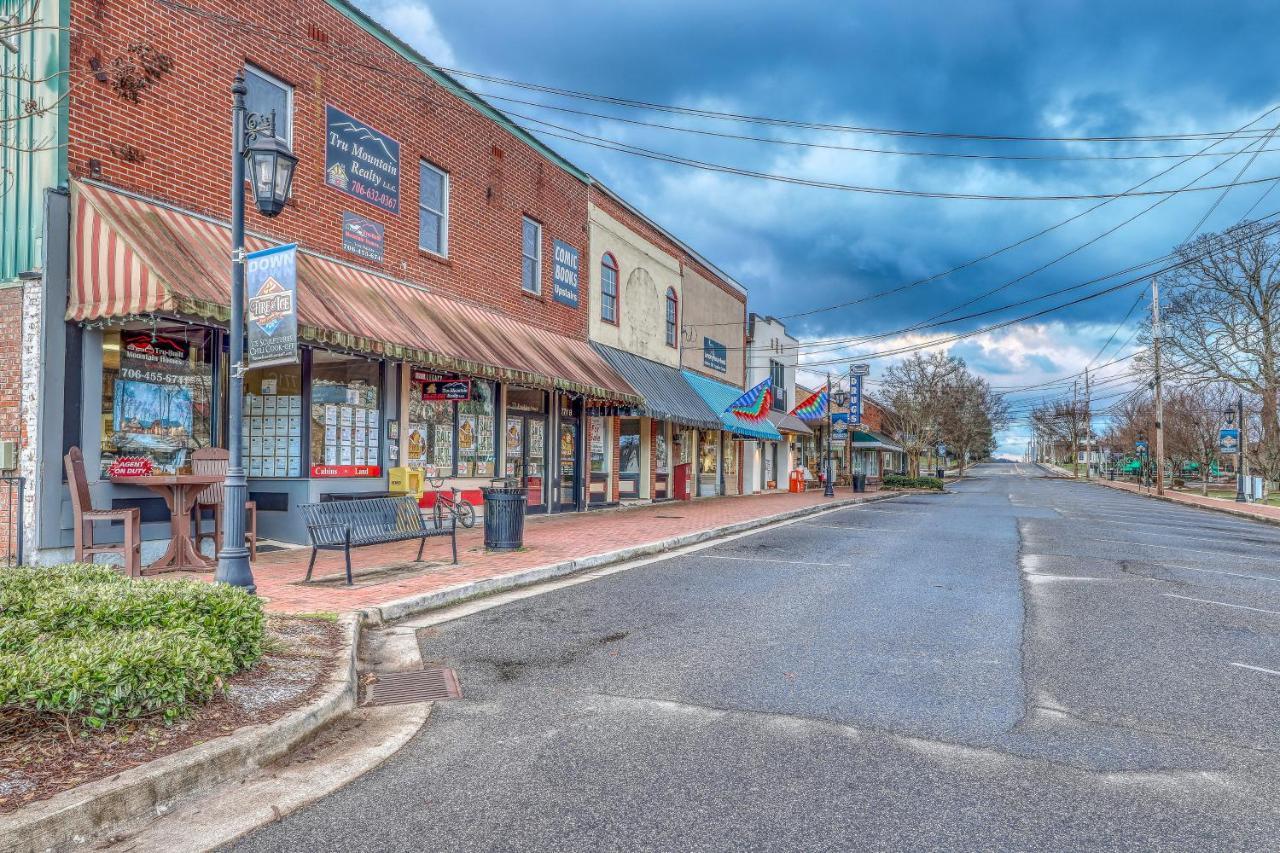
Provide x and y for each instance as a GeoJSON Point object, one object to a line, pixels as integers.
{"type": "Point", "coordinates": [361, 161]}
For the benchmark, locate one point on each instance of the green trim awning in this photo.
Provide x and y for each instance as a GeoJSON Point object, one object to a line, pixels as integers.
{"type": "Point", "coordinates": [720, 396]}
{"type": "Point", "coordinates": [870, 440]}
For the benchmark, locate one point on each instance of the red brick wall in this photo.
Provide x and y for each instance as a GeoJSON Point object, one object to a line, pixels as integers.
{"type": "Point", "coordinates": [175, 142]}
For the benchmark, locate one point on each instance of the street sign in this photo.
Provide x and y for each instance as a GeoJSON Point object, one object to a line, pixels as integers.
{"type": "Point", "coordinates": [1229, 441]}
{"type": "Point", "coordinates": [859, 370]}
{"type": "Point", "coordinates": [1141, 447]}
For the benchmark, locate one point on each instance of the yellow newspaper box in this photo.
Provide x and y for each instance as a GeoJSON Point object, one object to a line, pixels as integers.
{"type": "Point", "coordinates": [405, 481]}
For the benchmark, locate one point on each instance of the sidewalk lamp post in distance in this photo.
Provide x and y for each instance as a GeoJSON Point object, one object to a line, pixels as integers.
{"type": "Point", "coordinates": [838, 398]}
{"type": "Point", "coordinates": [1231, 441]}
{"type": "Point", "coordinates": [271, 166]}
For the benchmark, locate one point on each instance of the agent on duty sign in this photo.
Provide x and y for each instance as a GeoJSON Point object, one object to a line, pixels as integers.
{"type": "Point", "coordinates": [271, 305]}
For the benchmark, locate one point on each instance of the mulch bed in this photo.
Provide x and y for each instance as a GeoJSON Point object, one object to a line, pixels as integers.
{"type": "Point", "coordinates": [38, 759]}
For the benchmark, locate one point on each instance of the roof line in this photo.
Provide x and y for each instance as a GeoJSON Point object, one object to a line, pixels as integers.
{"type": "Point", "coordinates": [433, 71]}
{"type": "Point", "coordinates": [694, 253]}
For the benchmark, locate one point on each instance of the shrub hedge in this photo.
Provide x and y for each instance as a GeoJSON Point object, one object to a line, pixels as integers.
{"type": "Point", "coordinates": [899, 481]}
{"type": "Point", "coordinates": [87, 643]}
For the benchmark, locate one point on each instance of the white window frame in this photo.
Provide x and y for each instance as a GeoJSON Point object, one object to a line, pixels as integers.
{"type": "Point", "coordinates": [537, 258]}
{"type": "Point", "coordinates": [443, 214]}
{"type": "Point", "coordinates": [267, 76]}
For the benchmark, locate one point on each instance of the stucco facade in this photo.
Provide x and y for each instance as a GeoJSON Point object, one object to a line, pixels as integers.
{"type": "Point", "coordinates": [713, 316]}
{"type": "Point", "coordinates": [645, 273]}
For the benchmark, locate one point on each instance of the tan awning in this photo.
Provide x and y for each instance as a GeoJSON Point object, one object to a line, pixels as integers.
{"type": "Point", "coordinates": [786, 422]}
{"type": "Point", "coordinates": [132, 257]}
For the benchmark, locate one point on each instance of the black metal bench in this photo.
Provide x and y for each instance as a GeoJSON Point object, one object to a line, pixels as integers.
{"type": "Point", "coordinates": [343, 525]}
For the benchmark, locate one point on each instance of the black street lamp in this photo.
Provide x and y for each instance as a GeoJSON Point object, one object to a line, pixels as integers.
{"type": "Point", "coordinates": [270, 174]}
{"type": "Point", "coordinates": [1238, 417]}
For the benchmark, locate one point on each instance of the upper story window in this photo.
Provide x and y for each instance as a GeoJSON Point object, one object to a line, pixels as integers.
{"type": "Point", "coordinates": [267, 95]}
{"type": "Point", "coordinates": [609, 289]}
{"type": "Point", "coordinates": [778, 379]}
{"type": "Point", "coordinates": [673, 316]}
{"type": "Point", "coordinates": [531, 257]}
{"type": "Point", "coordinates": [433, 209]}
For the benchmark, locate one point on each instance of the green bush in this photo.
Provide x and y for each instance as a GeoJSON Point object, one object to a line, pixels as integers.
{"type": "Point", "coordinates": [899, 481]}
{"type": "Point", "coordinates": [114, 676]}
{"type": "Point", "coordinates": [87, 642]}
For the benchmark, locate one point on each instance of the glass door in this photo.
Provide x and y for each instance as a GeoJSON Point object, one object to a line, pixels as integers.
{"type": "Point", "coordinates": [535, 461]}
{"type": "Point", "coordinates": [629, 458]}
{"type": "Point", "coordinates": [568, 474]}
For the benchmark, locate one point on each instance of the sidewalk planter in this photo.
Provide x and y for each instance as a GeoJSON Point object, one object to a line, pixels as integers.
{"type": "Point", "coordinates": [504, 517]}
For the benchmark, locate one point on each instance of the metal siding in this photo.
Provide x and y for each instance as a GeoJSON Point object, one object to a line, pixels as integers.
{"type": "Point", "coordinates": [667, 395]}
{"type": "Point", "coordinates": [33, 153]}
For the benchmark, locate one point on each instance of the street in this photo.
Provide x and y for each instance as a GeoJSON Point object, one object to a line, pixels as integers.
{"type": "Point", "coordinates": [1022, 663]}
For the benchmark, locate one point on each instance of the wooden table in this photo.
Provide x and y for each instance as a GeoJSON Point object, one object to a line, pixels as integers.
{"type": "Point", "coordinates": [179, 492]}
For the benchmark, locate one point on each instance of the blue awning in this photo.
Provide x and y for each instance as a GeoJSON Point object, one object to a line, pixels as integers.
{"type": "Point", "coordinates": [719, 397]}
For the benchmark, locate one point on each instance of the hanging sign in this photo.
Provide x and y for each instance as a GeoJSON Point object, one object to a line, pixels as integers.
{"type": "Point", "coordinates": [855, 400]}
{"type": "Point", "coordinates": [1229, 441]}
{"type": "Point", "coordinates": [1141, 447]}
{"type": "Point", "coordinates": [361, 161]}
{"type": "Point", "coordinates": [839, 426]}
{"type": "Point", "coordinates": [271, 286]}
{"type": "Point", "coordinates": [715, 355]}
{"type": "Point", "coordinates": [362, 237]}
{"type": "Point", "coordinates": [442, 390]}
{"type": "Point", "coordinates": [564, 274]}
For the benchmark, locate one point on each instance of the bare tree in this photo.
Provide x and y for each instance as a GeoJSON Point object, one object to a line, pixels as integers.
{"type": "Point", "coordinates": [1222, 323]}
{"type": "Point", "coordinates": [916, 391]}
{"type": "Point", "coordinates": [971, 415]}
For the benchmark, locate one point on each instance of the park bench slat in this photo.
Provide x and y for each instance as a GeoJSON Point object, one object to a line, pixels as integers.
{"type": "Point", "coordinates": [343, 525]}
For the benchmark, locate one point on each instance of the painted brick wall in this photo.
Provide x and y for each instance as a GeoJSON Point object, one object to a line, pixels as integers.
{"type": "Point", "coordinates": [174, 143]}
{"type": "Point", "coordinates": [11, 428]}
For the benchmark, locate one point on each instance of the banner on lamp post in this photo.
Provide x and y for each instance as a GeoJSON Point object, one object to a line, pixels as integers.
{"type": "Point", "coordinates": [1229, 441]}
{"type": "Point", "coordinates": [271, 306]}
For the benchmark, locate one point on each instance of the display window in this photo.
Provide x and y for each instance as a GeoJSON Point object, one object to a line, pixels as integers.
{"type": "Point", "coordinates": [157, 395]}
{"type": "Point", "coordinates": [707, 455]}
{"type": "Point", "coordinates": [452, 425]}
{"type": "Point", "coordinates": [273, 421]}
{"type": "Point", "coordinates": [730, 458]}
{"type": "Point", "coordinates": [346, 416]}
{"type": "Point", "coordinates": [598, 444]}
{"type": "Point", "coordinates": [661, 451]}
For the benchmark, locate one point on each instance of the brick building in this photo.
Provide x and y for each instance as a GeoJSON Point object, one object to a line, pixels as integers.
{"type": "Point", "coordinates": [440, 248]}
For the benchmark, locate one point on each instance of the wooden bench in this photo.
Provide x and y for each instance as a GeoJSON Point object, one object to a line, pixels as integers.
{"type": "Point", "coordinates": [343, 525]}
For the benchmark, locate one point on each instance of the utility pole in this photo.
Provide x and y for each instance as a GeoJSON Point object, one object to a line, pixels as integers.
{"type": "Point", "coordinates": [1088, 426]}
{"type": "Point", "coordinates": [1075, 427]}
{"type": "Point", "coordinates": [1156, 332]}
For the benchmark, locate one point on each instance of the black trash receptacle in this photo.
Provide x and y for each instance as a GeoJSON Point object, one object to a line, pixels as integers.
{"type": "Point", "coordinates": [859, 482]}
{"type": "Point", "coordinates": [942, 473]}
{"type": "Point", "coordinates": [504, 517]}
{"type": "Point", "coordinates": [1111, 474]}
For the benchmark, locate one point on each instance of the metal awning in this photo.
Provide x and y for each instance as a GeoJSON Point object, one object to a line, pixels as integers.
{"type": "Point", "coordinates": [132, 257]}
{"type": "Point", "coordinates": [667, 394]}
{"type": "Point", "coordinates": [870, 440]}
{"type": "Point", "coordinates": [786, 422]}
{"type": "Point", "coordinates": [720, 397]}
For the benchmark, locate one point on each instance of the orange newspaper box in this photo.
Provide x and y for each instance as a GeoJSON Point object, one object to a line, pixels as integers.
{"type": "Point", "coordinates": [796, 483]}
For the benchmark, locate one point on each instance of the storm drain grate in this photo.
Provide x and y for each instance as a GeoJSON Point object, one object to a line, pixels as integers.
{"type": "Point", "coordinates": [668, 516]}
{"type": "Point", "coordinates": [400, 688]}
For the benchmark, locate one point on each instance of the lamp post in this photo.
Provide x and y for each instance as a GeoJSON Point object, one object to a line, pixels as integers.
{"type": "Point", "coordinates": [271, 166]}
{"type": "Point", "coordinates": [1239, 417]}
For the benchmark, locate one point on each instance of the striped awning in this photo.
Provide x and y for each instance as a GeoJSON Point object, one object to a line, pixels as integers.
{"type": "Point", "coordinates": [132, 257]}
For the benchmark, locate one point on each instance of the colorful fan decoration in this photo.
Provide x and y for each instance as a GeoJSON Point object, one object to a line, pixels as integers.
{"type": "Point", "coordinates": [754, 405]}
{"type": "Point", "coordinates": [812, 407]}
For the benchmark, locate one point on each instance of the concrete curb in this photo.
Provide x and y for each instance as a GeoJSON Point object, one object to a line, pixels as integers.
{"type": "Point", "coordinates": [412, 605]}
{"type": "Point", "coordinates": [75, 816]}
{"type": "Point", "coordinates": [1225, 510]}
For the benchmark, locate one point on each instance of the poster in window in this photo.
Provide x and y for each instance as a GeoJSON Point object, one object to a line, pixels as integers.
{"type": "Point", "coordinates": [444, 447]}
{"type": "Point", "coordinates": [484, 434]}
{"type": "Point", "coordinates": [417, 444]}
{"type": "Point", "coordinates": [596, 426]}
{"type": "Point", "coordinates": [152, 417]}
{"type": "Point", "coordinates": [467, 434]}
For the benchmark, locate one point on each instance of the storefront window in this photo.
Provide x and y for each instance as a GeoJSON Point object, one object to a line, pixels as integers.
{"type": "Point", "coordinates": [731, 459]}
{"type": "Point", "coordinates": [629, 447]}
{"type": "Point", "coordinates": [597, 444]}
{"type": "Point", "coordinates": [346, 416]}
{"type": "Point", "coordinates": [273, 421]}
{"type": "Point", "coordinates": [157, 395]}
{"type": "Point", "coordinates": [662, 456]}
{"type": "Point", "coordinates": [707, 452]}
{"type": "Point", "coordinates": [451, 437]}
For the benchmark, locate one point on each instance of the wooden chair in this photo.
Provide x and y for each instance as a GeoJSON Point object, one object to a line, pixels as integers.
{"type": "Point", "coordinates": [214, 460]}
{"type": "Point", "coordinates": [86, 515]}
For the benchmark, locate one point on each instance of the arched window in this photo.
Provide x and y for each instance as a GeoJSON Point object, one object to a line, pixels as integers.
{"type": "Point", "coordinates": [673, 316]}
{"type": "Point", "coordinates": [609, 289]}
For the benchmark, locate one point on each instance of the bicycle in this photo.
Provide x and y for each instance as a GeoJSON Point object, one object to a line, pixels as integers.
{"type": "Point", "coordinates": [463, 511]}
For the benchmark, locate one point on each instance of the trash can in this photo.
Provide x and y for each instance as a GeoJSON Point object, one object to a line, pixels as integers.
{"type": "Point", "coordinates": [859, 482]}
{"type": "Point", "coordinates": [504, 517]}
{"type": "Point", "coordinates": [942, 473]}
{"type": "Point", "coordinates": [1111, 474]}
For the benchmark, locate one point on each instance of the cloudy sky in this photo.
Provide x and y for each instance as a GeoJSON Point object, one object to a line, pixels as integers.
{"type": "Point", "coordinates": [1043, 69]}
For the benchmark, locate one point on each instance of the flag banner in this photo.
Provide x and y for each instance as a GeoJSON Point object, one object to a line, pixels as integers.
{"type": "Point", "coordinates": [812, 407]}
{"type": "Point", "coordinates": [754, 404]}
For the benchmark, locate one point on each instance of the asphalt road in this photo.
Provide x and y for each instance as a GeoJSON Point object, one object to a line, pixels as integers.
{"type": "Point", "coordinates": [1022, 664]}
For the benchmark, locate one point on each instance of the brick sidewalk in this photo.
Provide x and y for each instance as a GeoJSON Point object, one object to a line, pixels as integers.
{"type": "Point", "coordinates": [385, 573]}
{"type": "Point", "coordinates": [1262, 512]}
